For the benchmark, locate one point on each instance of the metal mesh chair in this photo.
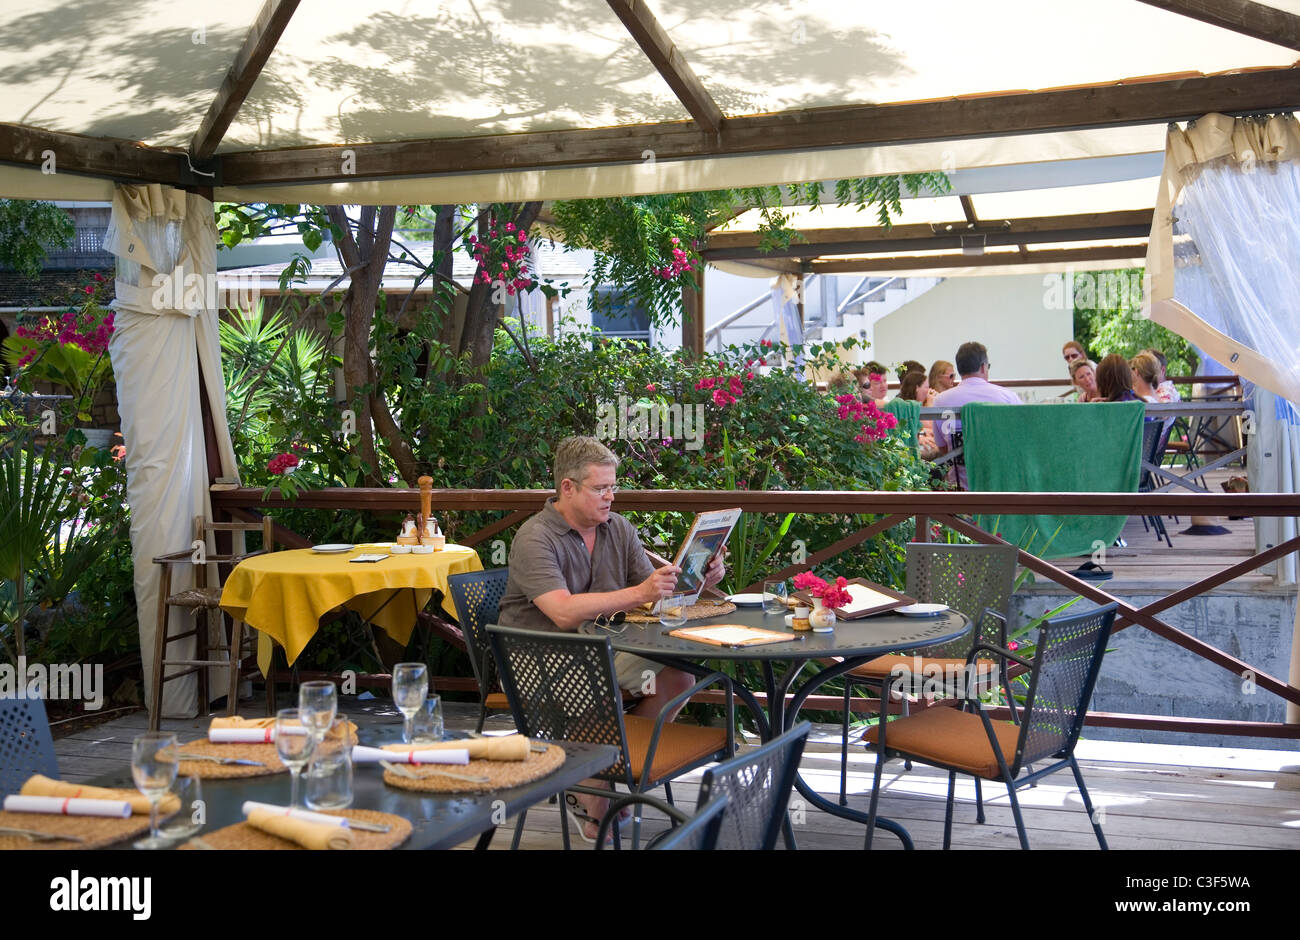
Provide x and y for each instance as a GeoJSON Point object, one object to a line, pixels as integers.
{"type": "Point", "coordinates": [202, 601]}
{"type": "Point", "coordinates": [757, 787]}
{"type": "Point", "coordinates": [689, 833]}
{"type": "Point", "coordinates": [563, 687]}
{"type": "Point", "coordinates": [977, 580]}
{"type": "Point", "coordinates": [1064, 673]}
{"type": "Point", "coordinates": [26, 746]}
{"type": "Point", "coordinates": [477, 596]}
{"type": "Point", "coordinates": [1155, 437]}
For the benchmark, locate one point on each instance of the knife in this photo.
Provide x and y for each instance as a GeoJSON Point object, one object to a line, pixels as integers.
{"type": "Point", "coordinates": [221, 760]}
{"type": "Point", "coordinates": [367, 826]}
{"type": "Point", "coordinates": [35, 835]}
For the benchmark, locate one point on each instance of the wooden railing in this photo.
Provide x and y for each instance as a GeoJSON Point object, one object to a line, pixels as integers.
{"type": "Point", "coordinates": [895, 508]}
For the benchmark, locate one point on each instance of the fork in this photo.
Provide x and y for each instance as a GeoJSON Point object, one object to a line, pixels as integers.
{"type": "Point", "coordinates": [403, 771]}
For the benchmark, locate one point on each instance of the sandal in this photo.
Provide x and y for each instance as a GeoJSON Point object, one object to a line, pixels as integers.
{"type": "Point", "coordinates": [579, 816]}
{"type": "Point", "coordinates": [1091, 571]}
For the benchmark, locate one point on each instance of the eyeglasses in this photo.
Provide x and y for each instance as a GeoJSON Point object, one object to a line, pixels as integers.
{"type": "Point", "coordinates": [614, 623]}
{"type": "Point", "coordinates": [1072, 355]}
{"type": "Point", "coordinates": [607, 490]}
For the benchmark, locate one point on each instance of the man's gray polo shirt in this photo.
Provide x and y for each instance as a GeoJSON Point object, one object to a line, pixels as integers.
{"type": "Point", "coordinates": [548, 554]}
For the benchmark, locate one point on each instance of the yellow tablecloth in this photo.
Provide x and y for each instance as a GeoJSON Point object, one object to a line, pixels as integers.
{"type": "Point", "coordinates": [284, 594]}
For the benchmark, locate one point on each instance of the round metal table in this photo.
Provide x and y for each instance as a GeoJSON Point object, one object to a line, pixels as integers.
{"type": "Point", "coordinates": [854, 642]}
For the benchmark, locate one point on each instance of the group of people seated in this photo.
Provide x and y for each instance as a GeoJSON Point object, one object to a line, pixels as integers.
{"type": "Point", "coordinates": [1142, 378]}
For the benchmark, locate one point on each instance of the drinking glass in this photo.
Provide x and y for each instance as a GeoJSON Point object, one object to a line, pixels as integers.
{"type": "Point", "coordinates": [410, 688]}
{"type": "Point", "coordinates": [329, 782]}
{"type": "Point", "coordinates": [672, 611]}
{"type": "Point", "coordinates": [427, 726]}
{"type": "Point", "coordinates": [774, 597]}
{"type": "Point", "coordinates": [190, 818]}
{"type": "Point", "coordinates": [153, 767]}
{"type": "Point", "coordinates": [294, 743]}
{"type": "Point", "coordinates": [318, 703]}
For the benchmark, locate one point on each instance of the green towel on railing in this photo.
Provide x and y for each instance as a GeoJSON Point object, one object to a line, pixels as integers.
{"type": "Point", "coordinates": [908, 414]}
{"type": "Point", "coordinates": [1054, 449]}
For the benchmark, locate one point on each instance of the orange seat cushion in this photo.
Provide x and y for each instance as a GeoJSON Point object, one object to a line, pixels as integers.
{"type": "Point", "coordinates": [680, 746]}
{"type": "Point", "coordinates": [952, 738]}
{"type": "Point", "coordinates": [497, 700]}
{"type": "Point", "coordinates": [883, 667]}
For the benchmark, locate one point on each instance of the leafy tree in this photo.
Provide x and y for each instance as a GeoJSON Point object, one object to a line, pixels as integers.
{"type": "Point", "coordinates": [29, 230]}
{"type": "Point", "coordinates": [1107, 319]}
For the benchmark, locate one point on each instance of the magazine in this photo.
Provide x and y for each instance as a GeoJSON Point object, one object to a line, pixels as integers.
{"type": "Point", "coordinates": [706, 538]}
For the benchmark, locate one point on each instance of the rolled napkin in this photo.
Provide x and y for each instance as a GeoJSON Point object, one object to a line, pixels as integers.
{"type": "Point", "coordinates": [234, 721]}
{"type": "Point", "coordinates": [507, 747]}
{"type": "Point", "coordinates": [241, 735]}
{"type": "Point", "coordinates": [67, 806]}
{"type": "Point", "coordinates": [407, 754]}
{"type": "Point", "coordinates": [309, 835]}
{"type": "Point", "coordinates": [38, 785]}
{"type": "Point", "coordinates": [305, 815]}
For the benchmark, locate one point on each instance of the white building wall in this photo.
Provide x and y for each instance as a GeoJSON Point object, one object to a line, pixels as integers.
{"type": "Point", "coordinates": [1016, 317]}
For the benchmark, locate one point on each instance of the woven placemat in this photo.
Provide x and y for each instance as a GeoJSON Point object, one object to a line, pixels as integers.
{"type": "Point", "coordinates": [501, 774]}
{"type": "Point", "coordinates": [243, 836]}
{"type": "Point", "coordinates": [700, 611]}
{"type": "Point", "coordinates": [95, 831]}
{"type": "Point", "coordinates": [210, 770]}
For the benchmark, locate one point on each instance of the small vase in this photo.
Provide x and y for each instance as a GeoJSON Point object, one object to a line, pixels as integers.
{"type": "Point", "coordinates": [822, 618]}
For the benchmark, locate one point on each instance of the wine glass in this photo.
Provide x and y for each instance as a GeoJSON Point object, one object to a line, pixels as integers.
{"type": "Point", "coordinates": [153, 767]}
{"type": "Point", "coordinates": [294, 743]}
{"type": "Point", "coordinates": [318, 703]}
{"type": "Point", "coordinates": [410, 688]}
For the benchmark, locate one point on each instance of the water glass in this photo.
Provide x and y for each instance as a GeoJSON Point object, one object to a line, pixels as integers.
{"type": "Point", "coordinates": [192, 815]}
{"type": "Point", "coordinates": [774, 597]}
{"type": "Point", "coordinates": [410, 689]}
{"type": "Point", "coordinates": [294, 744]}
{"type": "Point", "coordinates": [153, 768]}
{"type": "Point", "coordinates": [318, 703]}
{"type": "Point", "coordinates": [427, 727]}
{"type": "Point", "coordinates": [329, 782]}
{"type": "Point", "coordinates": [672, 611]}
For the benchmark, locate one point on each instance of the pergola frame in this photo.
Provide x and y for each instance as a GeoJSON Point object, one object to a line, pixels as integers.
{"type": "Point", "coordinates": [708, 134]}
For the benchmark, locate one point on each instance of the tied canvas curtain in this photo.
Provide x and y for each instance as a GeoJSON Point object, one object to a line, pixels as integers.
{"type": "Point", "coordinates": [165, 337]}
{"type": "Point", "coordinates": [1225, 240]}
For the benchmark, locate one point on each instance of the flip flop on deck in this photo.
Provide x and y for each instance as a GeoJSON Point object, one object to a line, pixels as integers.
{"type": "Point", "coordinates": [1091, 571]}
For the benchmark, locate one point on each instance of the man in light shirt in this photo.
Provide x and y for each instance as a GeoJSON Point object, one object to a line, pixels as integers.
{"type": "Point", "coordinates": [973, 367]}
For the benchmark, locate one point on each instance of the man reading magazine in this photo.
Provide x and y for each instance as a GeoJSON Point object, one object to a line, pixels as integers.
{"type": "Point", "coordinates": [576, 560]}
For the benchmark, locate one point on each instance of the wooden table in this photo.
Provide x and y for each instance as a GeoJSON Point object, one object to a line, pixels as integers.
{"type": "Point", "coordinates": [284, 594]}
{"type": "Point", "coordinates": [854, 642]}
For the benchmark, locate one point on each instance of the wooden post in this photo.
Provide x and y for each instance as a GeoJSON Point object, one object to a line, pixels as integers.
{"type": "Point", "coordinates": [798, 299]}
{"type": "Point", "coordinates": [693, 316]}
{"type": "Point", "coordinates": [550, 316]}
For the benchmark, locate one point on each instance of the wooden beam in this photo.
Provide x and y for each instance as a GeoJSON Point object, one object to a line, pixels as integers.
{"type": "Point", "coordinates": [252, 55]}
{"type": "Point", "coordinates": [968, 207]}
{"type": "Point", "coordinates": [928, 262]}
{"type": "Point", "coordinates": [122, 160]}
{"type": "Point", "coordinates": [817, 243]}
{"type": "Point", "coordinates": [669, 62]}
{"type": "Point", "coordinates": [1139, 102]}
{"type": "Point", "coordinates": [1241, 16]}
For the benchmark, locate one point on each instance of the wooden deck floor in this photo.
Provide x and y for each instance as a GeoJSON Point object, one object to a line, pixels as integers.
{"type": "Point", "coordinates": [1148, 564]}
{"type": "Point", "coordinates": [1151, 796]}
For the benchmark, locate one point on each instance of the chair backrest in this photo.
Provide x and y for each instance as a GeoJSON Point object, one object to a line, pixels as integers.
{"type": "Point", "coordinates": [477, 596]}
{"type": "Point", "coordinates": [757, 787]}
{"type": "Point", "coordinates": [700, 833]}
{"type": "Point", "coordinates": [967, 578]}
{"type": "Point", "coordinates": [562, 686]}
{"type": "Point", "coordinates": [26, 746]}
{"type": "Point", "coordinates": [1066, 663]}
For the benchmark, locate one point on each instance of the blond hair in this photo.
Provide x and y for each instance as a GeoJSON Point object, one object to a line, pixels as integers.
{"type": "Point", "coordinates": [1147, 366]}
{"type": "Point", "coordinates": [574, 455]}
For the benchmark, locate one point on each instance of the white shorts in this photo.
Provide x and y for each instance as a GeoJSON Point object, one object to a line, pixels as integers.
{"type": "Point", "coordinates": [634, 671]}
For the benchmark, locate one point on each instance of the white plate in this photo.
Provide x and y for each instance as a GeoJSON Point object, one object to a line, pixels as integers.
{"type": "Point", "coordinates": [746, 600]}
{"type": "Point", "coordinates": [331, 549]}
{"type": "Point", "coordinates": [922, 610]}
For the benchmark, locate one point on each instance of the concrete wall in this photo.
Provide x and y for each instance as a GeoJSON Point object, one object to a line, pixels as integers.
{"type": "Point", "coordinates": [1012, 316]}
{"type": "Point", "coordinates": [1145, 674]}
